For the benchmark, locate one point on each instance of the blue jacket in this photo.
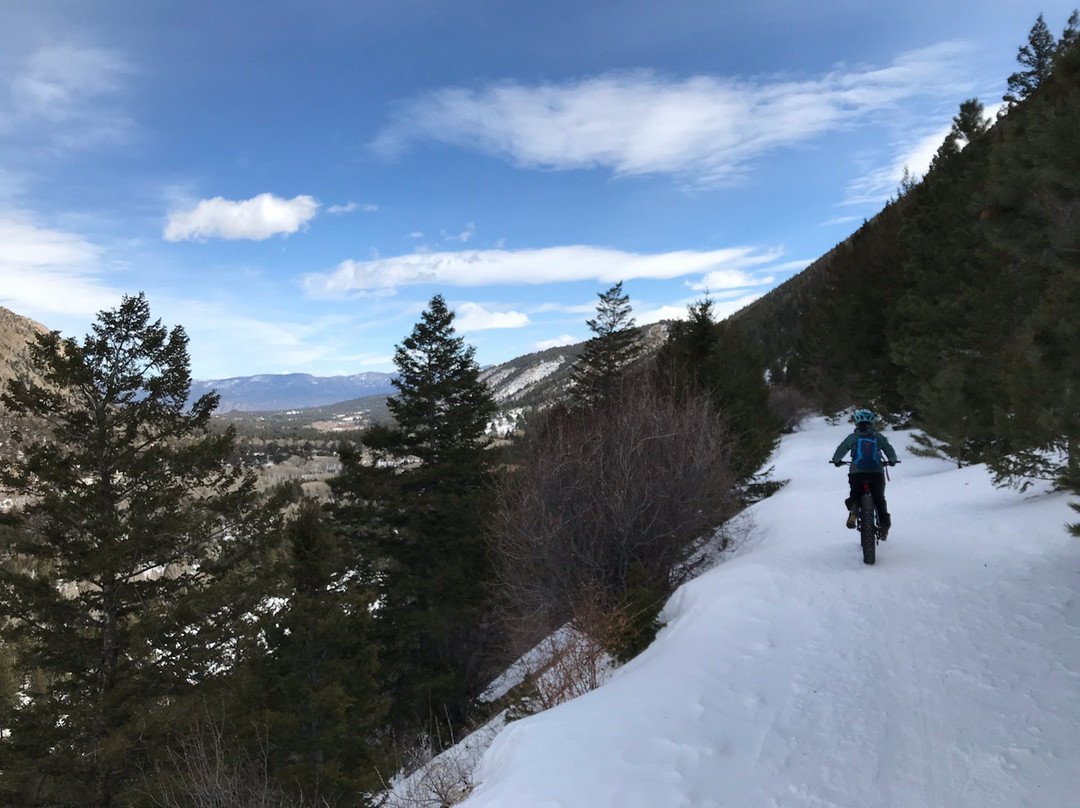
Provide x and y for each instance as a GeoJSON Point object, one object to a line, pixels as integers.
{"type": "Point", "coordinates": [848, 445]}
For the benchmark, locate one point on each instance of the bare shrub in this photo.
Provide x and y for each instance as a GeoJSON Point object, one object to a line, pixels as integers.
{"type": "Point", "coordinates": [573, 660]}
{"type": "Point", "coordinates": [208, 769]}
{"type": "Point", "coordinates": [599, 493]}
{"type": "Point", "coordinates": [790, 407]}
{"type": "Point", "coordinates": [441, 782]}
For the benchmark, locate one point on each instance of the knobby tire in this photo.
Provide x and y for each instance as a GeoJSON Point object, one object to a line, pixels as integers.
{"type": "Point", "coordinates": [866, 528]}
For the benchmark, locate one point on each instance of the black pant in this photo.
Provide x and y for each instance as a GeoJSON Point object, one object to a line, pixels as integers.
{"type": "Point", "coordinates": [877, 491]}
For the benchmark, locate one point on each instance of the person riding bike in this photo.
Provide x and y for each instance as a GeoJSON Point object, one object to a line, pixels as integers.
{"type": "Point", "coordinates": [866, 467]}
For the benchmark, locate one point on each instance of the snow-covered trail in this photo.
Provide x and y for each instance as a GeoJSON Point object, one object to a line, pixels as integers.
{"type": "Point", "coordinates": [948, 674]}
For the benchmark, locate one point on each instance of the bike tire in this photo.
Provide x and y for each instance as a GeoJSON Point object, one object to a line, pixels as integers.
{"type": "Point", "coordinates": [867, 529]}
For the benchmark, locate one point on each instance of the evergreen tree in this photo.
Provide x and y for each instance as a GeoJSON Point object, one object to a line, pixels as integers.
{"type": "Point", "coordinates": [598, 370]}
{"type": "Point", "coordinates": [1036, 57]}
{"type": "Point", "coordinates": [119, 583]}
{"type": "Point", "coordinates": [442, 407]}
{"type": "Point", "coordinates": [702, 355]}
{"type": "Point", "coordinates": [969, 125]}
{"type": "Point", "coordinates": [316, 677]}
{"type": "Point", "coordinates": [1071, 33]}
{"type": "Point", "coordinates": [1035, 184]}
{"type": "Point", "coordinates": [425, 529]}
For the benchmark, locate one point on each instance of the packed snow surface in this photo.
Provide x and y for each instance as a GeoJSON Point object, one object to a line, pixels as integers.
{"type": "Point", "coordinates": [946, 675]}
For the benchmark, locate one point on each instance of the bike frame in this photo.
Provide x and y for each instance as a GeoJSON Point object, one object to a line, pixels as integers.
{"type": "Point", "coordinates": [869, 530]}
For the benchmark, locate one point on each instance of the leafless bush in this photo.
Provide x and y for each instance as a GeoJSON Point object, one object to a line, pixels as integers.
{"type": "Point", "coordinates": [441, 782]}
{"type": "Point", "coordinates": [206, 769]}
{"type": "Point", "coordinates": [599, 493]}
{"type": "Point", "coordinates": [790, 407]}
{"type": "Point", "coordinates": [573, 660]}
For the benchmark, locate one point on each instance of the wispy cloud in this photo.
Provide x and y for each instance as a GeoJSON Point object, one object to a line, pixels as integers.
{"type": "Point", "coordinates": [725, 268]}
{"type": "Point", "coordinates": [707, 129]}
{"type": "Point", "coordinates": [46, 273]}
{"type": "Point", "coordinates": [337, 210]}
{"type": "Point", "coordinates": [463, 236]}
{"type": "Point", "coordinates": [475, 317]}
{"type": "Point", "coordinates": [65, 96]}
{"type": "Point", "coordinates": [256, 219]}
{"type": "Point", "coordinates": [913, 156]}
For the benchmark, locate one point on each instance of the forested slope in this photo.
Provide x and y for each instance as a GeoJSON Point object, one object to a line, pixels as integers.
{"type": "Point", "coordinates": [959, 303]}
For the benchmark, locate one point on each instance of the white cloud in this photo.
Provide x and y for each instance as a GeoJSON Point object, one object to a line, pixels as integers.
{"type": "Point", "coordinates": [649, 316]}
{"type": "Point", "coordinates": [558, 342]}
{"type": "Point", "coordinates": [877, 186]}
{"type": "Point", "coordinates": [337, 210]}
{"type": "Point", "coordinates": [63, 95]}
{"type": "Point", "coordinates": [463, 236]}
{"type": "Point", "coordinates": [259, 218]}
{"type": "Point", "coordinates": [46, 273]}
{"type": "Point", "coordinates": [474, 317]}
{"type": "Point", "coordinates": [549, 265]}
{"type": "Point", "coordinates": [880, 184]}
{"type": "Point", "coordinates": [705, 128]}
{"type": "Point", "coordinates": [723, 306]}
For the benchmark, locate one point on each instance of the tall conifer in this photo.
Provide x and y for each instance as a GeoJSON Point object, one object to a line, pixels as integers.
{"type": "Point", "coordinates": [117, 582]}
{"type": "Point", "coordinates": [425, 528]}
{"type": "Point", "coordinates": [614, 346]}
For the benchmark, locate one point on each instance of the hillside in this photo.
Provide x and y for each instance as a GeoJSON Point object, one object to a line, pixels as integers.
{"type": "Point", "coordinates": [794, 675]}
{"type": "Point", "coordinates": [15, 332]}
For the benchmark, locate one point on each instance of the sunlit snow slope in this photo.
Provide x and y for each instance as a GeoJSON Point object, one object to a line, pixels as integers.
{"type": "Point", "coordinates": [947, 675]}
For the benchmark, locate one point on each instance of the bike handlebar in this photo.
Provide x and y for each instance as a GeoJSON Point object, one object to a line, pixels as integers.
{"type": "Point", "coordinates": [839, 463]}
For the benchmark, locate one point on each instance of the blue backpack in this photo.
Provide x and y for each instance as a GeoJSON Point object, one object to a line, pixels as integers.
{"type": "Point", "coordinates": [866, 454]}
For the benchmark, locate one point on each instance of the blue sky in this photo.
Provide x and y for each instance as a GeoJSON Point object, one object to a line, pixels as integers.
{"type": "Point", "coordinates": [292, 182]}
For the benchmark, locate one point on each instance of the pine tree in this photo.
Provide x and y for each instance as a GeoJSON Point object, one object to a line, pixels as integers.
{"type": "Point", "coordinates": [442, 407]}
{"type": "Point", "coordinates": [425, 529]}
{"type": "Point", "coordinates": [598, 370]}
{"type": "Point", "coordinates": [1071, 33]}
{"type": "Point", "coordinates": [118, 583]}
{"type": "Point", "coordinates": [1037, 57]}
{"type": "Point", "coordinates": [316, 677]}
{"type": "Point", "coordinates": [969, 125]}
{"type": "Point", "coordinates": [702, 355]}
{"type": "Point", "coordinates": [1035, 182]}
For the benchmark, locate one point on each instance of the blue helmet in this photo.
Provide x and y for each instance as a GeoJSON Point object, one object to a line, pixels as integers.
{"type": "Point", "coordinates": [864, 417]}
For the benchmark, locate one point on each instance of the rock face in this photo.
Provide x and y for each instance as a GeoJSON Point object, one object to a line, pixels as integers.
{"type": "Point", "coordinates": [15, 332]}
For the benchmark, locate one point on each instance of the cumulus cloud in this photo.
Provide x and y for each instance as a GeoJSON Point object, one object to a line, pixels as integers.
{"type": "Point", "coordinates": [474, 317]}
{"type": "Point", "coordinates": [727, 267]}
{"type": "Point", "coordinates": [256, 219]}
{"type": "Point", "coordinates": [47, 272]}
{"type": "Point", "coordinates": [706, 128]}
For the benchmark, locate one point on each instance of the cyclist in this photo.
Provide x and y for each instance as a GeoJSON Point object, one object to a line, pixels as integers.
{"type": "Point", "coordinates": [866, 470]}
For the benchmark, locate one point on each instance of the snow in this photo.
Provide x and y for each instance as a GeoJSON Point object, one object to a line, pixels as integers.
{"type": "Point", "coordinates": [948, 674]}
{"type": "Point", "coordinates": [526, 378]}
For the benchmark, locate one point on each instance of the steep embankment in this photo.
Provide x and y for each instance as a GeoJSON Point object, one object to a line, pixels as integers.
{"type": "Point", "coordinates": [794, 675]}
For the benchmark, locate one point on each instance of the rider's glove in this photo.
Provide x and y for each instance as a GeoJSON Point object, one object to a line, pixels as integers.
{"type": "Point", "coordinates": [838, 463]}
{"type": "Point", "coordinates": [893, 462]}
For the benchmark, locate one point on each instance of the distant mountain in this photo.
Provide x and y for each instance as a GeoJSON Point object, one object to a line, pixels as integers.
{"type": "Point", "coordinates": [288, 391]}
{"type": "Point", "coordinates": [527, 382]}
